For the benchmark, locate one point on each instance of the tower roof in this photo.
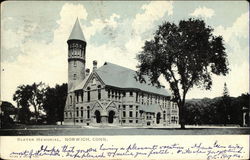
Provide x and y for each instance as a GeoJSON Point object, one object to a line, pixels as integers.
{"type": "Point", "coordinates": [76, 33]}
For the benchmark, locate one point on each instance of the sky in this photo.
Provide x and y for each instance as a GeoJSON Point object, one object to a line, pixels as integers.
{"type": "Point", "coordinates": [34, 36]}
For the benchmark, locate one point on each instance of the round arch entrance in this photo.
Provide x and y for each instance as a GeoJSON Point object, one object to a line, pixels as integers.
{"type": "Point", "coordinates": [98, 116]}
{"type": "Point", "coordinates": [111, 117]}
{"type": "Point", "coordinates": [158, 117]}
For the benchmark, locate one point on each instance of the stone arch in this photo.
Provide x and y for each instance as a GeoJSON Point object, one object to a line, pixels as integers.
{"type": "Point", "coordinates": [97, 116]}
{"type": "Point", "coordinates": [111, 116]}
{"type": "Point", "coordinates": [158, 117]}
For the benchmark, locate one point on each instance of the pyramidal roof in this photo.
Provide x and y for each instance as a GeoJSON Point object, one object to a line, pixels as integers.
{"type": "Point", "coordinates": [76, 32]}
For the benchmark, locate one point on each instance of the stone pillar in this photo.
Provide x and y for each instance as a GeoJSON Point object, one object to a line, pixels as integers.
{"type": "Point", "coordinates": [104, 119]}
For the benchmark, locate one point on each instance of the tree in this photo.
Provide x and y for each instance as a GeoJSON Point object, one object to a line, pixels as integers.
{"type": "Point", "coordinates": [186, 55]}
{"type": "Point", "coordinates": [30, 95]}
{"type": "Point", "coordinates": [36, 97]}
{"type": "Point", "coordinates": [21, 96]}
{"type": "Point", "coordinates": [54, 103]}
{"type": "Point", "coordinates": [7, 109]}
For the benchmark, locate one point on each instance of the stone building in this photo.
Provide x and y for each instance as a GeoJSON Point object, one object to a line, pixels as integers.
{"type": "Point", "coordinates": [111, 94]}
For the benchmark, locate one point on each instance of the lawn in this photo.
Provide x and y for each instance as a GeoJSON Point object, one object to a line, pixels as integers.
{"type": "Point", "coordinates": [50, 130]}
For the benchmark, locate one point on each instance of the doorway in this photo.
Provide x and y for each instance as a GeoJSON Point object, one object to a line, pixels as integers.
{"type": "Point", "coordinates": [111, 117]}
{"type": "Point", "coordinates": [98, 116]}
{"type": "Point", "coordinates": [158, 117]}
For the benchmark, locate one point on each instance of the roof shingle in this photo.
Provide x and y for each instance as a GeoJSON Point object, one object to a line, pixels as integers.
{"type": "Point", "coordinates": [121, 77]}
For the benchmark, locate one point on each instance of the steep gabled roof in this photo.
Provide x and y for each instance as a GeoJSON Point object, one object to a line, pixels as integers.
{"type": "Point", "coordinates": [121, 77]}
{"type": "Point", "coordinates": [124, 78]}
{"type": "Point", "coordinates": [76, 33]}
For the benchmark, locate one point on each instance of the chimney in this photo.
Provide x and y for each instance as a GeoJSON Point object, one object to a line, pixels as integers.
{"type": "Point", "coordinates": [87, 72]}
{"type": "Point", "coordinates": [94, 65]}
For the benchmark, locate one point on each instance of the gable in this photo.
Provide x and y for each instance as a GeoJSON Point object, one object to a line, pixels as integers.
{"type": "Point", "coordinates": [88, 81]}
{"type": "Point", "coordinates": [93, 81]}
{"type": "Point", "coordinates": [111, 105]}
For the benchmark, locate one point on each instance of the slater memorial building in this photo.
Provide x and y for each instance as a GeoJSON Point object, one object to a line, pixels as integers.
{"type": "Point", "coordinates": [111, 94]}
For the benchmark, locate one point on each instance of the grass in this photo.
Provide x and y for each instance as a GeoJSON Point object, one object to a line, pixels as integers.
{"type": "Point", "coordinates": [56, 130]}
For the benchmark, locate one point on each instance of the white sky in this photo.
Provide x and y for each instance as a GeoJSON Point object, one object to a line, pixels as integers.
{"type": "Point", "coordinates": [34, 35]}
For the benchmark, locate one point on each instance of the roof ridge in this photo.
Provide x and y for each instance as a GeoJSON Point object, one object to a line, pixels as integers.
{"type": "Point", "coordinates": [119, 66]}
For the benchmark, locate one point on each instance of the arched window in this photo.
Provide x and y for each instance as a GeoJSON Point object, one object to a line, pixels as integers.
{"type": "Point", "coordinates": [81, 115]}
{"type": "Point", "coordinates": [99, 92]}
{"type": "Point", "coordinates": [88, 112]}
{"type": "Point", "coordinates": [108, 93]}
{"type": "Point", "coordinates": [77, 98]}
{"type": "Point", "coordinates": [81, 95]}
{"type": "Point", "coordinates": [88, 94]}
{"type": "Point", "coordinates": [70, 97]}
{"type": "Point", "coordinates": [94, 81]}
{"type": "Point", "coordinates": [77, 112]}
{"type": "Point", "coordinates": [158, 117]}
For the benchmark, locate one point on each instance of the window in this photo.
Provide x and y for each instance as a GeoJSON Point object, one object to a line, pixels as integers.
{"type": "Point", "coordinates": [81, 96]}
{"type": "Point", "coordinates": [124, 107]}
{"type": "Point", "coordinates": [136, 121]}
{"type": "Point", "coordinates": [131, 94]}
{"type": "Point", "coordinates": [123, 121]}
{"type": "Point", "coordinates": [130, 113]}
{"type": "Point", "coordinates": [99, 92]}
{"type": "Point", "coordinates": [81, 115]}
{"type": "Point", "coordinates": [136, 114]}
{"type": "Point", "coordinates": [124, 114]}
{"type": "Point", "coordinates": [137, 107]}
{"type": "Point", "coordinates": [119, 95]}
{"type": "Point", "coordinates": [88, 94]}
{"type": "Point", "coordinates": [77, 98]}
{"type": "Point", "coordinates": [94, 81]}
{"type": "Point", "coordinates": [124, 94]}
{"type": "Point", "coordinates": [164, 115]}
{"type": "Point", "coordinates": [77, 121]}
{"type": "Point", "coordinates": [136, 97]}
{"type": "Point", "coordinates": [130, 107]}
{"type": "Point", "coordinates": [77, 112]}
{"type": "Point", "coordinates": [150, 99]}
{"type": "Point", "coordinates": [108, 93]}
{"type": "Point", "coordinates": [70, 99]}
{"type": "Point", "coordinates": [130, 121]}
{"type": "Point", "coordinates": [74, 77]}
{"type": "Point", "coordinates": [88, 112]}
{"type": "Point", "coordinates": [81, 121]}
